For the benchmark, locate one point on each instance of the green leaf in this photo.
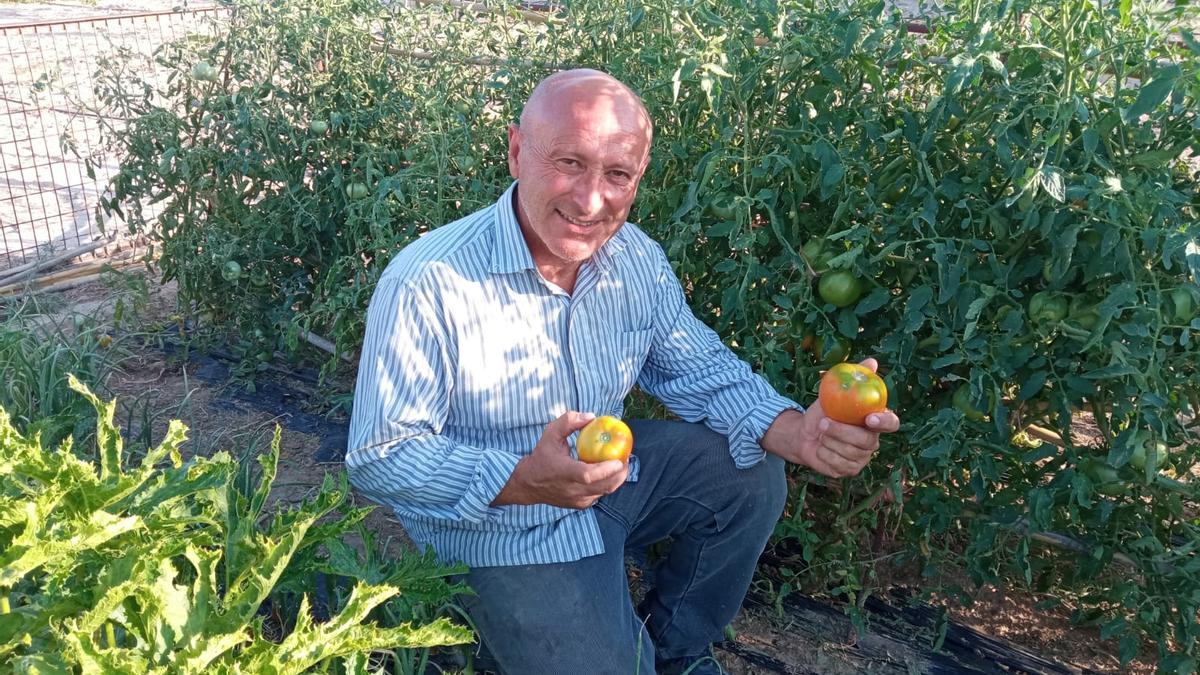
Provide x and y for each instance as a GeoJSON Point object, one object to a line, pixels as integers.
{"type": "Point", "coordinates": [308, 645]}
{"type": "Point", "coordinates": [1091, 140]}
{"type": "Point", "coordinates": [1111, 372]}
{"type": "Point", "coordinates": [1051, 180]}
{"type": "Point", "coordinates": [947, 360]}
{"type": "Point", "coordinates": [108, 437]}
{"type": "Point", "coordinates": [1189, 39]}
{"type": "Point", "coordinates": [40, 545]}
{"type": "Point", "coordinates": [1113, 628]}
{"type": "Point", "coordinates": [876, 299]}
{"type": "Point", "coordinates": [1152, 94]}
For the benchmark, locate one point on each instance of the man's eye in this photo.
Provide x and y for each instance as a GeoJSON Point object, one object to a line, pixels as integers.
{"type": "Point", "coordinates": [568, 162]}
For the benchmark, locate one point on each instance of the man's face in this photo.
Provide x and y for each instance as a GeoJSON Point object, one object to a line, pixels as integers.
{"type": "Point", "coordinates": [579, 165]}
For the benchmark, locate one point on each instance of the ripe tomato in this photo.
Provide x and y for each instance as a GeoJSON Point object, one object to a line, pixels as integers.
{"type": "Point", "coordinates": [849, 392]}
{"type": "Point", "coordinates": [604, 438]}
{"type": "Point", "coordinates": [840, 288]}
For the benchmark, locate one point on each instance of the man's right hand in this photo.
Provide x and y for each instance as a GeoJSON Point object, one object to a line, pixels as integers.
{"type": "Point", "coordinates": [550, 475]}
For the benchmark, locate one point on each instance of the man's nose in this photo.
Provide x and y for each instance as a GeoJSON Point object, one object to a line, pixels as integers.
{"type": "Point", "coordinates": [588, 194]}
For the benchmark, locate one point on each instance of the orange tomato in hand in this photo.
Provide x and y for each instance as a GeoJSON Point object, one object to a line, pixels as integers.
{"type": "Point", "coordinates": [849, 392]}
{"type": "Point", "coordinates": [604, 438]}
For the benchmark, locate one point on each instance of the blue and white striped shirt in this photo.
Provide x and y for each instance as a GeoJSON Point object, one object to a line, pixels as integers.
{"type": "Point", "coordinates": [469, 353]}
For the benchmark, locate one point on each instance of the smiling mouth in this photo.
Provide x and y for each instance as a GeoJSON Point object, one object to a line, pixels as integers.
{"type": "Point", "coordinates": [578, 222]}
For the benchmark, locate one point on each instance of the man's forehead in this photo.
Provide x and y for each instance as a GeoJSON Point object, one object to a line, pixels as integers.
{"type": "Point", "coordinates": [588, 97]}
{"type": "Point", "coordinates": [597, 123]}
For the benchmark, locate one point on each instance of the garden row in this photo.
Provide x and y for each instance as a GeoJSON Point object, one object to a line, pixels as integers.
{"type": "Point", "coordinates": [999, 210]}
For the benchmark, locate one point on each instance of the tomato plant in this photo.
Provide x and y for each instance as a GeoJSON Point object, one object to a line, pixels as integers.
{"type": "Point", "coordinates": [850, 392]}
{"type": "Point", "coordinates": [1014, 183]}
{"type": "Point", "coordinates": [604, 438]}
{"type": "Point", "coordinates": [318, 127]}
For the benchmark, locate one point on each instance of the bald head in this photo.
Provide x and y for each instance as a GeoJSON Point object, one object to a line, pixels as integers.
{"type": "Point", "coordinates": [572, 94]}
{"type": "Point", "coordinates": [578, 154]}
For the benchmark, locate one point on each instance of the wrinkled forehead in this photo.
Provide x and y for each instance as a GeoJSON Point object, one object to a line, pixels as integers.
{"type": "Point", "coordinates": [604, 117]}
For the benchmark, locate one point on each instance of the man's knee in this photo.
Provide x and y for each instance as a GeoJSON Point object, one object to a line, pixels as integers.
{"type": "Point", "coordinates": [768, 483]}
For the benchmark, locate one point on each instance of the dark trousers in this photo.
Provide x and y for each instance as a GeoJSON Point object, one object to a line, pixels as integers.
{"type": "Point", "coordinates": [578, 617]}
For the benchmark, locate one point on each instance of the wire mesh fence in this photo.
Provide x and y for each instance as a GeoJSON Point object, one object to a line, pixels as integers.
{"type": "Point", "coordinates": [48, 197]}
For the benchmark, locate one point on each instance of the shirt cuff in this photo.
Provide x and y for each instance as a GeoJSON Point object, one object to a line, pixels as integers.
{"type": "Point", "coordinates": [744, 438]}
{"type": "Point", "coordinates": [492, 472]}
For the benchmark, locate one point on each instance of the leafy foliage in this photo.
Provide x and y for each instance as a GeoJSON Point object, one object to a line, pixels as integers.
{"type": "Point", "coordinates": [39, 349]}
{"type": "Point", "coordinates": [164, 566]}
{"type": "Point", "coordinates": [1011, 192]}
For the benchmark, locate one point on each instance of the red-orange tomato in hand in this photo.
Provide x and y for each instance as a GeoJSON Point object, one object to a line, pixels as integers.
{"type": "Point", "coordinates": [849, 392]}
{"type": "Point", "coordinates": [604, 438]}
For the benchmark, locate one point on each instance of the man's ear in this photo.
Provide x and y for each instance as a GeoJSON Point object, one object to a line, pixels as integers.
{"type": "Point", "coordinates": [514, 151]}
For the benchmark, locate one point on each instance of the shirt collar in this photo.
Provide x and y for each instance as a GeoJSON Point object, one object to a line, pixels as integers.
{"type": "Point", "coordinates": [510, 252]}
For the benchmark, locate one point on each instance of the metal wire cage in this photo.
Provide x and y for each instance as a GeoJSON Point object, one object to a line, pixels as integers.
{"type": "Point", "coordinates": [48, 134]}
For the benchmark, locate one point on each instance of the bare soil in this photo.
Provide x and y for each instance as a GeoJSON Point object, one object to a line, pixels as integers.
{"type": "Point", "coordinates": [154, 386]}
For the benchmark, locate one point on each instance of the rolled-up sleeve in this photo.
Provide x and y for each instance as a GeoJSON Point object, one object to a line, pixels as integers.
{"type": "Point", "coordinates": [396, 453]}
{"type": "Point", "coordinates": [700, 379]}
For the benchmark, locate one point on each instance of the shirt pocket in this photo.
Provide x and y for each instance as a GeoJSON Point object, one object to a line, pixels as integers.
{"type": "Point", "coordinates": [618, 362]}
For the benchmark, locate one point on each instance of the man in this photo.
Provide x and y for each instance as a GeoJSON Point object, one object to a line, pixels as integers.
{"type": "Point", "coordinates": [492, 340]}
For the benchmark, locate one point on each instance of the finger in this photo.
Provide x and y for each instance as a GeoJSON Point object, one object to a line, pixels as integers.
{"type": "Point", "coordinates": [869, 363]}
{"type": "Point", "coordinates": [848, 451]}
{"type": "Point", "coordinates": [885, 422]}
{"type": "Point", "coordinates": [851, 434]}
{"type": "Point", "coordinates": [568, 423]}
{"type": "Point", "coordinates": [602, 472]}
{"type": "Point", "coordinates": [596, 484]}
{"type": "Point", "coordinates": [836, 465]}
